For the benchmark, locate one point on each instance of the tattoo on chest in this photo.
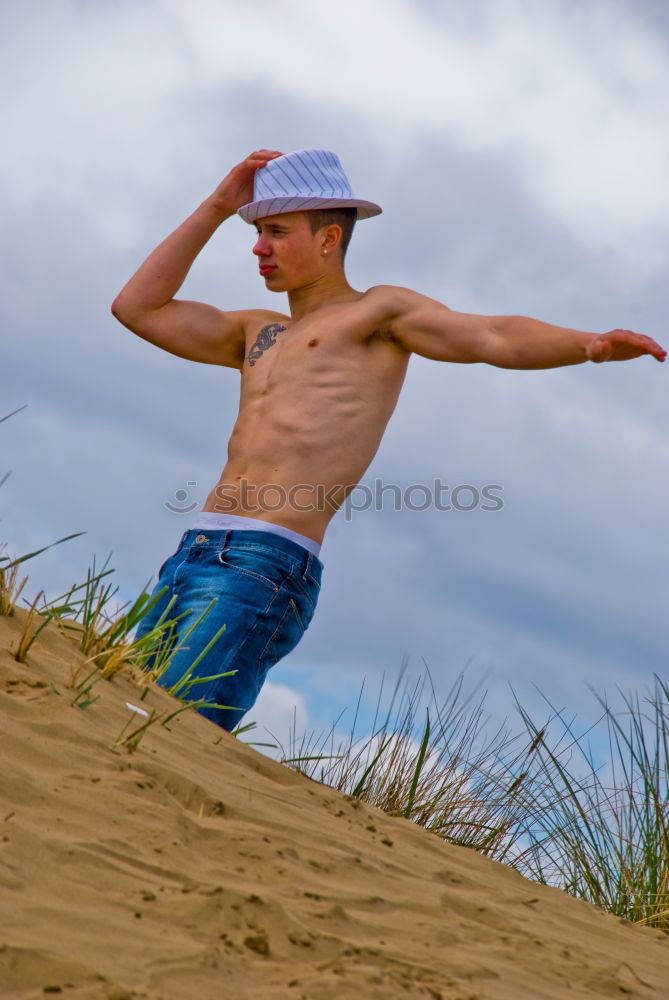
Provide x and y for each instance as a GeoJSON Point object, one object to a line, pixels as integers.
{"type": "Point", "coordinates": [265, 339]}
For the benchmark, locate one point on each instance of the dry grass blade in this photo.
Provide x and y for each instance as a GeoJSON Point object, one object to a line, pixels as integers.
{"type": "Point", "coordinates": [30, 629]}
{"type": "Point", "coordinates": [10, 587]}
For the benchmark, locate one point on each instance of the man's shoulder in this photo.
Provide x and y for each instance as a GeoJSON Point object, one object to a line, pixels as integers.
{"type": "Point", "coordinates": [392, 302]}
{"type": "Point", "coordinates": [395, 295]}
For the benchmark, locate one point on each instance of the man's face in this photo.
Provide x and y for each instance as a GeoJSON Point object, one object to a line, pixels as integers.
{"type": "Point", "coordinates": [286, 242]}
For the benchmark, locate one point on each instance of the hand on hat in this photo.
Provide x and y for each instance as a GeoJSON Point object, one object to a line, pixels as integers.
{"type": "Point", "coordinates": [237, 188]}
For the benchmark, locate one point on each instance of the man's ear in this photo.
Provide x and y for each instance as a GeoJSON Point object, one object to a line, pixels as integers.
{"type": "Point", "coordinates": [334, 234]}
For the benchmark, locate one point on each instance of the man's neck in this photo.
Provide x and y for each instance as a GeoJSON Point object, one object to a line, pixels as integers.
{"type": "Point", "coordinates": [325, 290]}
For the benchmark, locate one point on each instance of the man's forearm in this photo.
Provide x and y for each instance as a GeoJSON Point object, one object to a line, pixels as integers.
{"type": "Point", "coordinates": [522, 342]}
{"type": "Point", "coordinates": [163, 272]}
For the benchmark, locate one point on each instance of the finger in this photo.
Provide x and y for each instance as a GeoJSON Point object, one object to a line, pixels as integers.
{"type": "Point", "coordinates": [652, 347]}
{"type": "Point", "coordinates": [255, 162]}
{"type": "Point", "coordinates": [656, 348]}
{"type": "Point", "coordinates": [642, 339]}
{"type": "Point", "coordinates": [260, 159]}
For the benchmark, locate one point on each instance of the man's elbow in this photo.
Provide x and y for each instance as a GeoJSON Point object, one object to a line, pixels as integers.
{"type": "Point", "coordinates": [121, 311]}
{"type": "Point", "coordinates": [117, 308]}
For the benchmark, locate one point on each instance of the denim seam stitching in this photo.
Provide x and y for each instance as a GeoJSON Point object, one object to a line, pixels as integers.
{"type": "Point", "coordinates": [261, 547]}
{"type": "Point", "coordinates": [296, 579]}
{"type": "Point", "coordinates": [249, 635]}
{"type": "Point", "coordinates": [276, 631]}
{"type": "Point", "coordinates": [300, 622]}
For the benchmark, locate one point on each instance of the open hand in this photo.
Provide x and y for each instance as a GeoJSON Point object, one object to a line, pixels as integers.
{"type": "Point", "coordinates": [236, 189]}
{"type": "Point", "coordinates": [623, 345]}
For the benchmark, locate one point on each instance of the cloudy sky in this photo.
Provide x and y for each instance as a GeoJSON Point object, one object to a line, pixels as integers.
{"type": "Point", "coordinates": [520, 153]}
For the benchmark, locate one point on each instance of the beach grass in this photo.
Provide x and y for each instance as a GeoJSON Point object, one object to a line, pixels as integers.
{"type": "Point", "coordinates": [603, 835]}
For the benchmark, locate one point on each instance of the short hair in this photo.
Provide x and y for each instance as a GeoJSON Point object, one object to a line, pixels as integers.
{"type": "Point", "coordinates": [344, 216]}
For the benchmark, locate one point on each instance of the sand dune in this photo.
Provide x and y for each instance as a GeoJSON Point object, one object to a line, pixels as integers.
{"type": "Point", "coordinates": [196, 867]}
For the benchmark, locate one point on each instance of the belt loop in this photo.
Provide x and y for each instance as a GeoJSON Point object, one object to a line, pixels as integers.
{"type": "Point", "coordinates": [307, 565]}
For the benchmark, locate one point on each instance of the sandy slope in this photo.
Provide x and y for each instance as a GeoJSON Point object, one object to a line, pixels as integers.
{"type": "Point", "coordinates": [196, 867]}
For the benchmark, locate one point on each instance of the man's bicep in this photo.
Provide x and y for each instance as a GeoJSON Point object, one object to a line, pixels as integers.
{"type": "Point", "coordinates": [427, 327]}
{"type": "Point", "coordinates": [195, 331]}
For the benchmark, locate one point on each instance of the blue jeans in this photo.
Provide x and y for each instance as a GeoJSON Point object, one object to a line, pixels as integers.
{"type": "Point", "coordinates": [266, 589]}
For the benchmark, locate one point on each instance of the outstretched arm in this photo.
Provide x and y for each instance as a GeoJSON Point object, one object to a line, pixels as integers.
{"type": "Point", "coordinates": [521, 342]}
{"type": "Point", "coordinates": [429, 328]}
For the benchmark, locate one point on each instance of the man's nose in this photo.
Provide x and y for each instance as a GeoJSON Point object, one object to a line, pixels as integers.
{"type": "Point", "coordinates": [260, 248]}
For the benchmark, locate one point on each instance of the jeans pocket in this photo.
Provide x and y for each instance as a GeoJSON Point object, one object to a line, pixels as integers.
{"type": "Point", "coordinates": [254, 566]}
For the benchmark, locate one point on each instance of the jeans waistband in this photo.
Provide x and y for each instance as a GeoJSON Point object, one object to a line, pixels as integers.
{"type": "Point", "coordinates": [309, 564]}
{"type": "Point", "coordinates": [211, 519]}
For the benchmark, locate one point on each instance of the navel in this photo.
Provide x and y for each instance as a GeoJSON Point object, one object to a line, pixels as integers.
{"type": "Point", "coordinates": [312, 343]}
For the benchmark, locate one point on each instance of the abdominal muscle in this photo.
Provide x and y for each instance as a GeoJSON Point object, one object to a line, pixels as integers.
{"type": "Point", "coordinates": [311, 418]}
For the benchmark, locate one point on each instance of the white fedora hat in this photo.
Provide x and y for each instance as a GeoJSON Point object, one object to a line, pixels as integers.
{"type": "Point", "coordinates": [302, 180]}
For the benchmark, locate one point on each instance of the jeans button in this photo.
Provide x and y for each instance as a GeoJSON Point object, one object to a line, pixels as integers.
{"type": "Point", "coordinates": [201, 538]}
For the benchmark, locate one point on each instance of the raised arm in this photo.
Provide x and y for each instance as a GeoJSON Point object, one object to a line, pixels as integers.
{"type": "Point", "coordinates": [429, 328]}
{"type": "Point", "coordinates": [192, 330]}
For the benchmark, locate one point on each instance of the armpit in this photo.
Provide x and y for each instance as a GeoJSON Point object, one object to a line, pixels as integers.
{"type": "Point", "coordinates": [384, 335]}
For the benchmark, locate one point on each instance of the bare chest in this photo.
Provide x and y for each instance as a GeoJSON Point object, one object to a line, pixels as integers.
{"type": "Point", "coordinates": [340, 348]}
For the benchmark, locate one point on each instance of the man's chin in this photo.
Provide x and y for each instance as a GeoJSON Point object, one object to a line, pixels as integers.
{"type": "Point", "coordinates": [276, 284]}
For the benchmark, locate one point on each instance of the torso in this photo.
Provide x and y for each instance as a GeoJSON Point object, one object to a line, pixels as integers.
{"type": "Point", "coordinates": [316, 396]}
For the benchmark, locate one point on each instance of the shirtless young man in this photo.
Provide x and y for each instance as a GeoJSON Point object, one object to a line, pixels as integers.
{"type": "Point", "coordinates": [318, 386]}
